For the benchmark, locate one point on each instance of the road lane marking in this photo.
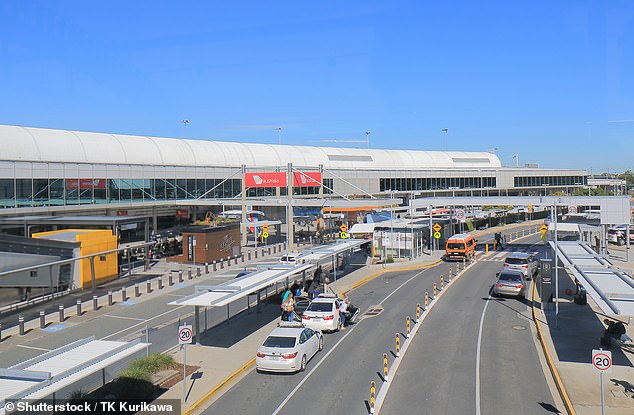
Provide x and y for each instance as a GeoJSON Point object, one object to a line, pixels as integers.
{"type": "Point", "coordinates": [125, 318]}
{"type": "Point", "coordinates": [142, 322]}
{"type": "Point", "coordinates": [478, 356]}
{"type": "Point", "coordinates": [33, 347]}
{"type": "Point", "coordinates": [323, 359]}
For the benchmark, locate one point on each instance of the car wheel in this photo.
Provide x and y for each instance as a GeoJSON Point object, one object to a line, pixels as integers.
{"type": "Point", "coordinates": [303, 364]}
{"type": "Point", "coordinates": [620, 242]}
{"type": "Point", "coordinates": [321, 343]}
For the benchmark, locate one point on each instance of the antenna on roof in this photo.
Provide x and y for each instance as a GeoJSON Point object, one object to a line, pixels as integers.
{"type": "Point", "coordinates": [185, 122]}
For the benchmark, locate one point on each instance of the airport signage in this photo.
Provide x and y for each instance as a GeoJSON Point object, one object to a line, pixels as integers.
{"type": "Point", "coordinates": [437, 235]}
{"type": "Point", "coordinates": [436, 227]}
{"type": "Point", "coordinates": [268, 179]}
{"type": "Point", "coordinates": [307, 179]}
{"type": "Point", "coordinates": [85, 184]}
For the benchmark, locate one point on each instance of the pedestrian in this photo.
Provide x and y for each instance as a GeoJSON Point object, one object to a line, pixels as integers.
{"type": "Point", "coordinates": [289, 306]}
{"type": "Point", "coordinates": [498, 240]}
{"type": "Point", "coordinates": [287, 294]}
{"type": "Point", "coordinates": [343, 309]}
{"type": "Point", "coordinates": [613, 331]}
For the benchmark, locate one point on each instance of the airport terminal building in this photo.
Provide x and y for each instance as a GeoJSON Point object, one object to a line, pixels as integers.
{"type": "Point", "coordinates": [53, 172]}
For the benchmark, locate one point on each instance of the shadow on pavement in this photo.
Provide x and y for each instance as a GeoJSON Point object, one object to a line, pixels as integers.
{"type": "Point", "coordinates": [230, 332]}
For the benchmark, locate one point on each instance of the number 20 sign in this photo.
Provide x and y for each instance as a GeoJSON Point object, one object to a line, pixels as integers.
{"type": "Point", "coordinates": [602, 360]}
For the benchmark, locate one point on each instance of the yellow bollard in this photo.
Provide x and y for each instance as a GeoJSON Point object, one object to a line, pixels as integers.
{"type": "Point", "coordinates": [442, 283]}
{"type": "Point", "coordinates": [426, 299]}
{"type": "Point", "coordinates": [417, 312]}
{"type": "Point", "coordinates": [495, 244]}
{"type": "Point", "coordinates": [434, 292]}
{"type": "Point", "coordinates": [398, 345]}
{"type": "Point", "coordinates": [450, 274]}
{"type": "Point", "coordinates": [372, 396]}
{"type": "Point", "coordinates": [385, 367]}
{"type": "Point", "coordinates": [486, 248]}
{"type": "Point", "coordinates": [457, 268]}
{"type": "Point", "coordinates": [408, 326]}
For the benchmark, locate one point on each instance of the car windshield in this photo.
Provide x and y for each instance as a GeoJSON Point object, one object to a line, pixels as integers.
{"type": "Point", "coordinates": [287, 259]}
{"type": "Point", "coordinates": [516, 261]}
{"type": "Point", "coordinates": [323, 307]}
{"type": "Point", "coordinates": [509, 277]}
{"type": "Point", "coordinates": [279, 341]}
{"type": "Point", "coordinates": [455, 245]}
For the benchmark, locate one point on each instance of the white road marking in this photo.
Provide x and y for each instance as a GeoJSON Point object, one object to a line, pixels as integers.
{"type": "Point", "coordinates": [143, 322]}
{"type": "Point", "coordinates": [33, 347]}
{"type": "Point", "coordinates": [323, 359]}
{"type": "Point", "coordinates": [124, 318]}
{"type": "Point", "coordinates": [478, 356]}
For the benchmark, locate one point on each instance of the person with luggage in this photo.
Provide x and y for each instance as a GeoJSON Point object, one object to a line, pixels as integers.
{"type": "Point", "coordinates": [613, 331]}
{"type": "Point", "coordinates": [343, 309]}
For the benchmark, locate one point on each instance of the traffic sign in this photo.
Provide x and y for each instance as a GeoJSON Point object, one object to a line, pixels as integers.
{"type": "Point", "coordinates": [543, 229]}
{"type": "Point", "coordinates": [343, 227]}
{"type": "Point", "coordinates": [265, 228]}
{"type": "Point", "coordinates": [265, 234]}
{"type": "Point", "coordinates": [572, 210]}
{"type": "Point", "coordinates": [602, 360]}
{"type": "Point", "coordinates": [437, 235]}
{"type": "Point", "coordinates": [437, 227]}
{"type": "Point", "coordinates": [185, 334]}
{"type": "Point", "coordinates": [530, 208]}
{"type": "Point", "coordinates": [343, 235]}
{"type": "Point", "coordinates": [460, 213]}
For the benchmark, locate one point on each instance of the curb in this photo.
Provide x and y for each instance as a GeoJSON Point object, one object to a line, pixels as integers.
{"type": "Point", "coordinates": [215, 390]}
{"type": "Point", "coordinates": [551, 364]}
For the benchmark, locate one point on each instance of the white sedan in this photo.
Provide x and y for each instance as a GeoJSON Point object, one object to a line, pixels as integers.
{"type": "Point", "coordinates": [288, 348]}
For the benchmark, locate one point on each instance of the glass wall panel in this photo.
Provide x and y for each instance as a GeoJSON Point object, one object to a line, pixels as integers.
{"type": "Point", "coordinates": [7, 193]}
{"type": "Point", "coordinates": [40, 192]}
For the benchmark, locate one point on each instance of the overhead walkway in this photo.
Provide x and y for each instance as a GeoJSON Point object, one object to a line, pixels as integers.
{"type": "Point", "coordinates": [611, 288]}
{"type": "Point", "coordinates": [45, 375]}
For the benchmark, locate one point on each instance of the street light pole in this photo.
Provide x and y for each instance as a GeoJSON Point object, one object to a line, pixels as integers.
{"type": "Point", "coordinates": [391, 221]}
{"type": "Point", "coordinates": [279, 135]}
{"type": "Point", "coordinates": [185, 122]}
{"type": "Point", "coordinates": [367, 138]}
{"type": "Point", "coordinates": [556, 267]}
{"type": "Point", "coordinates": [446, 131]}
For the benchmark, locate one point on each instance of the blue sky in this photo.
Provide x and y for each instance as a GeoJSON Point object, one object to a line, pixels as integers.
{"type": "Point", "coordinates": [550, 81]}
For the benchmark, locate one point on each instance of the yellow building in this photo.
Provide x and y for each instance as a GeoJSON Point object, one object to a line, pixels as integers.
{"type": "Point", "coordinates": [90, 241]}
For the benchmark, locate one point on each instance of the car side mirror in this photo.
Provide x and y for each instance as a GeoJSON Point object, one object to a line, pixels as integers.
{"type": "Point", "coordinates": [497, 274]}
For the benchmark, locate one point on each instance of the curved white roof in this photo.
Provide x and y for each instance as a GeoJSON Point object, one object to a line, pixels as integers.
{"type": "Point", "coordinates": [46, 145]}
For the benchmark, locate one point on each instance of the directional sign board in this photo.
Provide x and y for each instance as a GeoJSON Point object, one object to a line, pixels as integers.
{"type": "Point", "coordinates": [343, 235]}
{"type": "Point", "coordinates": [602, 360]}
{"type": "Point", "coordinates": [460, 213]}
{"type": "Point", "coordinates": [343, 227]}
{"type": "Point", "coordinates": [265, 234]}
{"type": "Point", "coordinates": [436, 227]}
{"type": "Point", "coordinates": [185, 334]}
{"type": "Point", "coordinates": [265, 228]}
{"type": "Point", "coordinates": [437, 235]}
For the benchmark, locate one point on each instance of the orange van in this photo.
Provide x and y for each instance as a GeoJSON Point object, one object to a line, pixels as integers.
{"type": "Point", "coordinates": [459, 246]}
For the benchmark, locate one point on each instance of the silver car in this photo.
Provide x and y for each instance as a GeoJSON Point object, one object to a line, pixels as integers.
{"type": "Point", "coordinates": [511, 283]}
{"type": "Point", "coordinates": [288, 348]}
{"type": "Point", "coordinates": [527, 264]}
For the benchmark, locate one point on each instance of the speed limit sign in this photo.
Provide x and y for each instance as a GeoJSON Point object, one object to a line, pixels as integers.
{"type": "Point", "coordinates": [185, 334]}
{"type": "Point", "coordinates": [602, 360]}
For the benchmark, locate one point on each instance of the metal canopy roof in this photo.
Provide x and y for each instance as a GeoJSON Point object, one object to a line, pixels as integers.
{"type": "Point", "coordinates": [223, 294]}
{"type": "Point", "coordinates": [72, 220]}
{"type": "Point", "coordinates": [611, 288]}
{"type": "Point", "coordinates": [45, 374]}
{"type": "Point", "coordinates": [327, 251]}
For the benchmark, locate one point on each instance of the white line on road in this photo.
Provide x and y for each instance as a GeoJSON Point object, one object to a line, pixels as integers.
{"type": "Point", "coordinates": [478, 356]}
{"type": "Point", "coordinates": [125, 318]}
{"type": "Point", "coordinates": [323, 359]}
{"type": "Point", "coordinates": [33, 347]}
{"type": "Point", "coordinates": [143, 322]}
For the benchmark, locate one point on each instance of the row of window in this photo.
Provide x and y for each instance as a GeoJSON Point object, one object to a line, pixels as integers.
{"type": "Point", "coordinates": [435, 183]}
{"type": "Point", "coordinates": [61, 192]}
{"type": "Point", "coordinates": [550, 181]}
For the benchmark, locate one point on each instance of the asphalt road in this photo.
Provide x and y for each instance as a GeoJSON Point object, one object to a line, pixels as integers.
{"type": "Point", "coordinates": [337, 379]}
{"type": "Point", "coordinates": [452, 368]}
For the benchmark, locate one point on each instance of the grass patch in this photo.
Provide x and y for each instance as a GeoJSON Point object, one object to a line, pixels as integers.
{"type": "Point", "coordinates": [144, 368]}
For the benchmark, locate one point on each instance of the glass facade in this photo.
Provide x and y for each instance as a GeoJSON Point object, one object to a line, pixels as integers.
{"type": "Point", "coordinates": [532, 181]}
{"type": "Point", "coordinates": [61, 192]}
{"type": "Point", "coordinates": [435, 183]}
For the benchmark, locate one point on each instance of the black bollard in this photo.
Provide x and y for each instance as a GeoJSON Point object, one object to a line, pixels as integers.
{"type": "Point", "coordinates": [79, 313]}
{"type": "Point", "coordinates": [95, 303]}
{"type": "Point", "coordinates": [137, 290]}
{"type": "Point", "coordinates": [60, 310]}
{"type": "Point", "coordinates": [42, 319]}
{"type": "Point", "coordinates": [110, 302]}
{"type": "Point", "coordinates": [148, 286]}
{"type": "Point", "coordinates": [124, 295]}
{"type": "Point", "coordinates": [21, 324]}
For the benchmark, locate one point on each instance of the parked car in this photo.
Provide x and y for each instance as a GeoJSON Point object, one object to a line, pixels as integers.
{"type": "Point", "coordinates": [618, 234]}
{"type": "Point", "coordinates": [527, 264]}
{"type": "Point", "coordinates": [288, 348]}
{"type": "Point", "coordinates": [323, 313]}
{"type": "Point", "coordinates": [290, 258]}
{"type": "Point", "coordinates": [511, 283]}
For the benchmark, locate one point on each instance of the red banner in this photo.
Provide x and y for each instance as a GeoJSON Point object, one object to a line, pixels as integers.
{"type": "Point", "coordinates": [265, 179]}
{"type": "Point", "coordinates": [307, 179]}
{"type": "Point", "coordinates": [122, 213]}
{"type": "Point", "coordinates": [182, 213]}
{"type": "Point", "coordinates": [85, 184]}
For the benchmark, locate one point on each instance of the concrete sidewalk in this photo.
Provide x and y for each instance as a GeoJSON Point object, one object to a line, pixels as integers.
{"type": "Point", "coordinates": [224, 363]}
